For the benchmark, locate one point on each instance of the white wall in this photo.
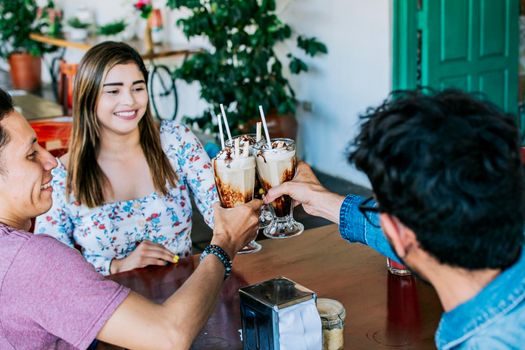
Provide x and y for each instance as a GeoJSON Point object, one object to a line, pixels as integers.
{"type": "Point", "coordinates": [354, 75]}
{"type": "Point", "coordinates": [109, 10]}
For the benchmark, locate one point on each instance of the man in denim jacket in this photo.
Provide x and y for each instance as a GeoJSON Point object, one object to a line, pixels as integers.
{"type": "Point", "coordinates": [447, 176]}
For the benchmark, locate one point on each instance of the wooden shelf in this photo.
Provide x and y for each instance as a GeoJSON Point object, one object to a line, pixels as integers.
{"type": "Point", "coordinates": [160, 51]}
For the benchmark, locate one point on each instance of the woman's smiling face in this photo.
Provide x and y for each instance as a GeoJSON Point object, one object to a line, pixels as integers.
{"type": "Point", "coordinates": [123, 99]}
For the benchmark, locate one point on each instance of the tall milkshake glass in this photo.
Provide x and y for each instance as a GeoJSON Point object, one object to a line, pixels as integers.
{"type": "Point", "coordinates": [276, 165]}
{"type": "Point", "coordinates": [235, 180]}
{"type": "Point", "coordinates": [266, 216]}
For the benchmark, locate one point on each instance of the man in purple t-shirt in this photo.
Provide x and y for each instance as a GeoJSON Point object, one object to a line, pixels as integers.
{"type": "Point", "coordinates": [50, 297]}
{"type": "Point", "coordinates": [48, 293]}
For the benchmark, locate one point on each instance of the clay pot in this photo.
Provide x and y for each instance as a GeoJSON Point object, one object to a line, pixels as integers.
{"type": "Point", "coordinates": [26, 71]}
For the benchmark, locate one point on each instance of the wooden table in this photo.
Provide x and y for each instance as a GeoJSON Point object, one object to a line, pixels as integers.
{"type": "Point", "coordinates": [34, 107]}
{"type": "Point", "coordinates": [383, 311]}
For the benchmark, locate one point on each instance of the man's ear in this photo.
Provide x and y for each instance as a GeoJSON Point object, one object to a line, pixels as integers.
{"type": "Point", "coordinates": [398, 234]}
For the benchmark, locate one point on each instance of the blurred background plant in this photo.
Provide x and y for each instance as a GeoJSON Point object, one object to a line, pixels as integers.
{"type": "Point", "coordinates": [112, 28]}
{"type": "Point", "coordinates": [19, 18]}
{"type": "Point", "coordinates": [243, 70]}
{"type": "Point", "coordinates": [49, 19]}
{"type": "Point", "coordinates": [74, 22]}
{"type": "Point", "coordinates": [144, 7]}
{"type": "Point", "coordinates": [78, 29]}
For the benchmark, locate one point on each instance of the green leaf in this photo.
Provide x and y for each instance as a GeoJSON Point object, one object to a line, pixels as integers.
{"type": "Point", "coordinates": [112, 28]}
{"type": "Point", "coordinates": [268, 5]}
{"type": "Point", "coordinates": [74, 22]}
{"type": "Point", "coordinates": [297, 66]}
{"type": "Point", "coordinates": [311, 46]}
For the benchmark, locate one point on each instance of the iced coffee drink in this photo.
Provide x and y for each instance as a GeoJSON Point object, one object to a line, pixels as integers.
{"type": "Point", "coordinates": [235, 178]}
{"type": "Point", "coordinates": [235, 181]}
{"type": "Point", "coordinates": [266, 216]}
{"type": "Point", "coordinates": [276, 165]}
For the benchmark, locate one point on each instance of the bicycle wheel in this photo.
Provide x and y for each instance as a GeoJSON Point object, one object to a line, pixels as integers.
{"type": "Point", "coordinates": [163, 93]}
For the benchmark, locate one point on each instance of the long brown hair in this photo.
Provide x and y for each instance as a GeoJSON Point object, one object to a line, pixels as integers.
{"type": "Point", "coordinates": [85, 178]}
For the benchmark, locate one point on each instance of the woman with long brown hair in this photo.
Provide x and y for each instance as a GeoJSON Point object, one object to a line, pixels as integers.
{"type": "Point", "coordinates": [121, 193]}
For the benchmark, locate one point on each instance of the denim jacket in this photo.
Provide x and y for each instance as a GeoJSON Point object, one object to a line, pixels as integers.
{"type": "Point", "coordinates": [493, 319]}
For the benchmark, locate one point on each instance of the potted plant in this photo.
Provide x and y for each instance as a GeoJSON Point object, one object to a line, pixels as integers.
{"type": "Point", "coordinates": [145, 9]}
{"type": "Point", "coordinates": [49, 20]}
{"type": "Point", "coordinates": [78, 30]}
{"type": "Point", "coordinates": [112, 30]}
{"type": "Point", "coordinates": [243, 70]}
{"type": "Point", "coordinates": [19, 18]}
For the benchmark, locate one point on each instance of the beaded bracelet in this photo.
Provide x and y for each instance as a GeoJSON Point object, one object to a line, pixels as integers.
{"type": "Point", "coordinates": [221, 255]}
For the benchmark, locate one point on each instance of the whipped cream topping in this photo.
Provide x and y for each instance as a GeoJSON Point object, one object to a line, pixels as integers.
{"type": "Point", "coordinates": [280, 150]}
{"type": "Point", "coordinates": [277, 146]}
{"type": "Point", "coordinates": [247, 139]}
{"type": "Point", "coordinates": [237, 163]}
{"type": "Point", "coordinates": [250, 139]}
{"type": "Point", "coordinates": [225, 154]}
{"type": "Point", "coordinates": [227, 157]}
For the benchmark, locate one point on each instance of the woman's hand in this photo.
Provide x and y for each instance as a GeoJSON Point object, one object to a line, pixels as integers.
{"type": "Point", "coordinates": [146, 253]}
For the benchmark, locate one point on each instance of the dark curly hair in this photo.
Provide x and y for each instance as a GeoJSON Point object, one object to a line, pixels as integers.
{"type": "Point", "coordinates": [448, 166]}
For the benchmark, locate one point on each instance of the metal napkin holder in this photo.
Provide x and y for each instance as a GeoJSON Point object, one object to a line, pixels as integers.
{"type": "Point", "coordinates": [260, 305]}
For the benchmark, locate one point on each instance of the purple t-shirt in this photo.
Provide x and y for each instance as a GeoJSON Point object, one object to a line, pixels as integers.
{"type": "Point", "coordinates": [50, 297]}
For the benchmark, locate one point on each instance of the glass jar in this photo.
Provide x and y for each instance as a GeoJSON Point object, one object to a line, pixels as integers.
{"type": "Point", "coordinates": [396, 268]}
{"type": "Point", "coordinates": [332, 315]}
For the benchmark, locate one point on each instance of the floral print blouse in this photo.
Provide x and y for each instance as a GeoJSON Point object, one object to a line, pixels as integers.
{"type": "Point", "coordinates": [113, 230]}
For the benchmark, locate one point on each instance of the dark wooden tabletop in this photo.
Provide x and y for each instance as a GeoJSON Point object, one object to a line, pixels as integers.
{"type": "Point", "coordinates": [383, 311]}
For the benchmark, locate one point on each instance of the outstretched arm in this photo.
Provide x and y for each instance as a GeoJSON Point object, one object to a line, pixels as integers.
{"type": "Point", "coordinates": [305, 189]}
{"type": "Point", "coordinates": [139, 323]}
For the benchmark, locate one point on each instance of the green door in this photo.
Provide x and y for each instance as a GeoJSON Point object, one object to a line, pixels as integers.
{"type": "Point", "coordinates": [467, 44]}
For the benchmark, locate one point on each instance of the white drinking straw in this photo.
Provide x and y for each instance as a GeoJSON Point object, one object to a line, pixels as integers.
{"type": "Point", "coordinates": [226, 123]}
{"type": "Point", "coordinates": [246, 150]}
{"type": "Point", "coordinates": [261, 112]}
{"type": "Point", "coordinates": [221, 135]}
{"type": "Point", "coordinates": [258, 132]}
{"type": "Point", "coordinates": [236, 148]}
